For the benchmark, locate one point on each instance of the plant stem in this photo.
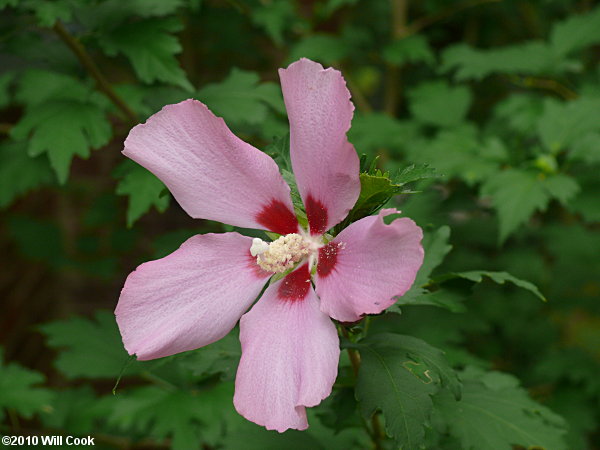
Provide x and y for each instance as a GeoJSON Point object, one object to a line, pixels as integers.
{"type": "Point", "coordinates": [376, 433]}
{"type": "Point", "coordinates": [88, 63]}
{"type": "Point", "coordinates": [393, 72]}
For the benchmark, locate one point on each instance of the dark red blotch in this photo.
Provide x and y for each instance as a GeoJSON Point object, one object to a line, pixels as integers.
{"type": "Point", "coordinates": [316, 214]}
{"type": "Point", "coordinates": [277, 217]}
{"type": "Point", "coordinates": [295, 285]}
{"type": "Point", "coordinates": [327, 259]}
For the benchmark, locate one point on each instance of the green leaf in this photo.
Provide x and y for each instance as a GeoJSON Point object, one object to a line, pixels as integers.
{"type": "Point", "coordinates": [397, 375]}
{"type": "Point", "coordinates": [221, 357]}
{"type": "Point", "coordinates": [517, 194]}
{"type": "Point", "coordinates": [275, 17]}
{"type": "Point", "coordinates": [241, 98]}
{"type": "Point", "coordinates": [474, 64]}
{"type": "Point", "coordinates": [562, 124]}
{"type": "Point", "coordinates": [19, 390]}
{"type": "Point", "coordinates": [48, 12]}
{"type": "Point", "coordinates": [143, 190]}
{"type": "Point", "coordinates": [459, 152]}
{"type": "Point", "coordinates": [496, 414]}
{"type": "Point", "coordinates": [376, 188]}
{"type": "Point", "coordinates": [437, 103]}
{"type": "Point", "coordinates": [413, 49]}
{"type": "Point", "coordinates": [6, 79]}
{"type": "Point", "coordinates": [497, 277]}
{"type": "Point", "coordinates": [576, 32]}
{"type": "Point", "coordinates": [324, 48]}
{"type": "Point", "coordinates": [151, 48]}
{"type": "Point", "coordinates": [184, 415]}
{"type": "Point", "coordinates": [89, 348]}
{"type": "Point", "coordinates": [63, 129]}
{"type": "Point", "coordinates": [436, 247]}
{"type": "Point", "coordinates": [19, 172]}
{"type": "Point", "coordinates": [375, 131]}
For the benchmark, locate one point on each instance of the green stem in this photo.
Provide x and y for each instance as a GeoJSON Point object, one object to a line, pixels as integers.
{"type": "Point", "coordinates": [88, 63]}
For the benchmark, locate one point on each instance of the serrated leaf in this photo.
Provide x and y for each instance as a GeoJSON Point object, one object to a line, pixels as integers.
{"type": "Point", "coordinates": [63, 129]}
{"type": "Point", "coordinates": [37, 86]}
{"type": "Point", "coordinates": [274, 17]}
{"type": "Point", "coordinates": [576, 32]}
{"type": "Point", "coordinates": [221, 357]}
{"type": "Point", "coordinates": [375, 131]}
{"type": "Point", "coordinates": [495, 414]}
{"type": "Point", "coordinates": [474, 64]}
{"type": "Point", "coordinates": [19, 172]}
{"type": "Point", "coordinates": [241, 98]}
{"type": "Point", "coordinates": [48, 12]}
{"type": "Point", "coordinates": [437, 103]}
{"type": "Point", "coordinates": [459, 152]}
{"type": "Point", "coordinates": [413, 49]}
{"type": "Point", "coordinates": [19, 390]}
{"type": "Point", "coordinates": [151, 48]}
{"type": "Point", "coordinates": [398, 374]}
{"type": "Point", "coordinates": [89, 348]}
{"type": "Point", "coordinates": [436, 246]}
{"type": "Point", "coordinates": [143, 190]}
{"type": "Point", "coordinates": [562, 124]}
{"type": "Point", "coordinates": [517, 194]}
{"type": "Point", "coordinates": [497, 277]}
{"type": "Point", "coordinates": [181, 414]}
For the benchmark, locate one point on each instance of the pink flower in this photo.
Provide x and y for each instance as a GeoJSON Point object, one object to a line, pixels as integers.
{"type": "Point", "coordinates": [196, 295]}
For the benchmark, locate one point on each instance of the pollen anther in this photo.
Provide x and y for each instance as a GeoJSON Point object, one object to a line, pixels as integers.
{"type": "Point", "coordinates": [281, 254]}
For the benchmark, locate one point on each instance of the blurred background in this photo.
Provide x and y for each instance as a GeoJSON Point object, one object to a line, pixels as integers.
{"type": "Point", "coordinates": [501, 98]}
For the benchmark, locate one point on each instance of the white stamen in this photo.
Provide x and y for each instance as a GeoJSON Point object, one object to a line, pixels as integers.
{"type": "Point", "coordinates": [284, 253]}
{"type": "Point", "coordinates": [258, 247]}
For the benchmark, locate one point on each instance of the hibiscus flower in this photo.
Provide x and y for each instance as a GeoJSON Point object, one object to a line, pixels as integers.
{"type": "Point", "coordinates": [196, 295]}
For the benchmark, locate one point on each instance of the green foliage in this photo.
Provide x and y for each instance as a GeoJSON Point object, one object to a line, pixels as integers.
{"type": "Point", "coordinates": [20, 173]}
{"type": "Point", "coordinates": [19, 390]}
{"type": "Point", "coordinates": [398, 375]}
{"type": "Point", "coordinates": [143, 190]}
{"type": "Point", "coordinates": [240, 98]}
{"type": "Point", "coordinates": [63, 118]}
{"type": "Point", "coordinates": [517, 194]}
{"type": "Point", "coordinates": [414, 49]}
{"type": "Point", "coordinates": [437, 103]}
{"type": "Point", "coordinates": [495, 413]}
{"type": "Point", "coordinates": [90, 348]}
{"type": "Point", "coordinates": [499, 140]}
{"type": "Point", "coordinates": [151, 48]}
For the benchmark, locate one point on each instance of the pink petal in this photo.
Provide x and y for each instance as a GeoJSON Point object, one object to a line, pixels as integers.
{"type": "Point", "coordinates": [324, 162]}
{"type": "Point", "coordinates": [290, 353]}
{"type": "Point", "coordinates": [210, 172]}
{"type": "Point", "coordinates": [190, 298]}
{"type": "Point", "coordinates": [367, 265]}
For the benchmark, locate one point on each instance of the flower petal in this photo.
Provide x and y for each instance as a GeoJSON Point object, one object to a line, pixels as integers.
{"type": "Point", "coordinates": [290, 353]}
{"type": "Point", "coordinates": [210, 172]}
{"type": "Point", "coordinates": [367, 265]}
{"type": "Point", "coordinates": [325, 164]}
{"type": "Point", "coordinates": [190, 298]}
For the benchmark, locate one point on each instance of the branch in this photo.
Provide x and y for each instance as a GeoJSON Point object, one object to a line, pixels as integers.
{"type": "Point", "coordinates": [86, 61]}
{"type": "Point", "coordinates": [544, 83]}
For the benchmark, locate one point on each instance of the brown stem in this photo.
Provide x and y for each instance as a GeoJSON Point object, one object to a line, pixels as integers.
{"type": "Point", "coordinates": [86, 61]}
{"type": "Point", "coordinates": [393, 72]}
